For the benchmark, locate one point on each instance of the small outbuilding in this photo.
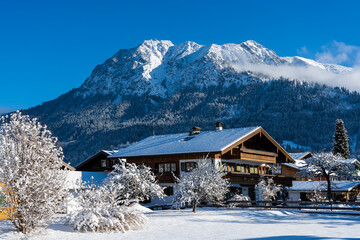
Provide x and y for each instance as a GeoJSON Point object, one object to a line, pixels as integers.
{"type": "Point", "coordinates": [341, 190]}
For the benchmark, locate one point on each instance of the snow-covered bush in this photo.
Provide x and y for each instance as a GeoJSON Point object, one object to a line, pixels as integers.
{"type": "Point", "coordinates": [316, 196]}
{"type": "Point", "coordinates": [238, 197]}
{"type": "Point", "coordinates": [329, 166]}
{"type": "Point", "coordinates": [203, 183]}
{"type": "Point", "coordinates": [30, 166]}
{"type": "Point", "coordinates": [268, 188]}
{"type": "Point", "coordinates": [101, 210]}
{"type": "Point", "coordinates": [134, 183]}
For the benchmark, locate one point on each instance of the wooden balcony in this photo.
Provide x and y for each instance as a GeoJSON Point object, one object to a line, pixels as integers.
{"type": "Point", "coordinates": [253, 179]}
{"type": "Point", "coordinates": [257, 155]}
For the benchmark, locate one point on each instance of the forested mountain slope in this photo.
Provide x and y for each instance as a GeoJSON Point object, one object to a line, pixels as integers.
{"type": "Point", "coordinates": [158, 88]}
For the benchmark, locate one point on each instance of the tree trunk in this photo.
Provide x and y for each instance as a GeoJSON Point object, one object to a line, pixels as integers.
{"type": "Point", "coordinates": [329, 195]}
{"type": "Point", "coordinates": [194, 206]}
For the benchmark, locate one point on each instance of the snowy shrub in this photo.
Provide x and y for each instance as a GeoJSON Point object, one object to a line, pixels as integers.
{"type": "Point", "coordinates": [101, 210]}
{"type": "Point", "coordinates": [30, 163]}
{"type": "Point", "coordinates": [134, 183]}
{"type": "Point", "coordinates": [238, 197]}
{"type": "Point", "coordinates": [268, 188]}
{"type": "Point", "coordinates": [203, 183]}
{"type": "Point", "coordinates": [316, 196]}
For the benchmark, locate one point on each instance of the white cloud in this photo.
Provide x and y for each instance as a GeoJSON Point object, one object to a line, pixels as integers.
{"type": "Point", "coordinates": [303, 51]}
{"type": "Point", "coordinates": [339, 53]}
{"type": "Point", "coordinates": [349, 80]}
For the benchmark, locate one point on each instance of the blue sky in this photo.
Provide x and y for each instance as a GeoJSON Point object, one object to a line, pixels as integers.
{"type": "Point", "coordinates": [49, 47]}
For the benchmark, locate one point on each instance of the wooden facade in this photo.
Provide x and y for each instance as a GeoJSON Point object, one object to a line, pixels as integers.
{"type": "Point", "coordinates": [246, 161]}
{"type": "Point", "coordinates": [99, 162]}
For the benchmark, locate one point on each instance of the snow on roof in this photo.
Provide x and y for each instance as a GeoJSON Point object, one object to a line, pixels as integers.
{"type": "Point", "coordinates": [108, 152]}
{"type": "Point", "coordinates": [299, 155]}
{"type": "Point", "coordinates": [297, 165]}
{"type": "Point", "coordinates": [352, 161]}
{"type": "Point", "coordinates": [204, 142]}
{"type": "Point", "coordinates": [309, 186]}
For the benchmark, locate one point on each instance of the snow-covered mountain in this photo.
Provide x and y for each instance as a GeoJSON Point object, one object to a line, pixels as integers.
{"type": "Point", "coordinates": [159, 87]}
{"type": "Point", "coordinates": [161, 68]}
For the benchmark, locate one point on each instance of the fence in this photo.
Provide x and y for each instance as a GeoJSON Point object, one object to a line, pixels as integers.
{"type": "Point", "coordinates": [296, 205]}
{"type": "Point", "coordinates": [278, 205]}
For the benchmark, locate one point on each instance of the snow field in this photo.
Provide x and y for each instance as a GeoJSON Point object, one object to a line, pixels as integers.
{"type": "Point", "coordinates": [213, 223]}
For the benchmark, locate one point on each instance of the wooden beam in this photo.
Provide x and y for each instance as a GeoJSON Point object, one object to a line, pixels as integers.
{"type": "Point", "coordinates": [258, 152]}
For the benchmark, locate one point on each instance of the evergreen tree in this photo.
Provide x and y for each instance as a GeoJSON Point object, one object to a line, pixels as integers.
{"type": "Point", "coordinates": [341, 140]}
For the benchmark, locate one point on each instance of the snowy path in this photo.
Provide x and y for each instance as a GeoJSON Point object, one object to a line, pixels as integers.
{"type": "Point", "coordinates": [213, 223]}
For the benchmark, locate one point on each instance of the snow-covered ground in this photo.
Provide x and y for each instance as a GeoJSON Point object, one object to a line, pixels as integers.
{"type": "Point", "coordinates": [212, 223]}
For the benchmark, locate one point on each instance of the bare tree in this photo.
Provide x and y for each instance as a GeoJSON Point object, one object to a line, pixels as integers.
{"type": "Point", "coordinates": [268, 188]}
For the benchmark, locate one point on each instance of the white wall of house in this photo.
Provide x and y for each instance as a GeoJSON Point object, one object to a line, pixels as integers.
{"type": "Point", "coordinates": [294, 196]}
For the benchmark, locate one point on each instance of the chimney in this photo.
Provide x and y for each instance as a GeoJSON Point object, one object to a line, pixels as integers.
{"type": "Point", "coordinates": [219, 126]}
{"type": "Point", "coordinates": [195, 130]}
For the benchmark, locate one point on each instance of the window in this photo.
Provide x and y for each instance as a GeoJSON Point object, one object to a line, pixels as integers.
{"type": "Point", "coordinates": [166, 167]}
{"type": "Point", "coordinates": [161, 168]}
{"type": "Point", "coordinates": [173, 167]}
{"type": "Point", "coordinates": [103, 163]}
{"type": "Point", "coordinates": [183, 167]}
{"type": "Point", "coordinates": [189, 166]}
{"type": "Point", "coordinates": [169, 191]}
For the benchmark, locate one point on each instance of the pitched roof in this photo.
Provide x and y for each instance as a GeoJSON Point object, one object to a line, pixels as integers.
{"type": "Point", "coordinates": [107, 153]}
{"type": "Point", "coordinates": [309, 186]}
{"type": "Point", "coordinates": [352, 161]}
{"type": "Point", "coordinates": [299, 155]}
{"type": "Point", "coordinates": [297, 165]}
{"type": "Point", "coordinates": [204, 142]}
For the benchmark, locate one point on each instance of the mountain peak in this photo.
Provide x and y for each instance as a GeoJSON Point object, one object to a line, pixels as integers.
{"type": "Point", "coordinates": [159, 67]}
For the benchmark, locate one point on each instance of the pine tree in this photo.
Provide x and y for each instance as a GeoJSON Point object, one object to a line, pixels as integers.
{"type": "Point", "coordinates": [341, 140]}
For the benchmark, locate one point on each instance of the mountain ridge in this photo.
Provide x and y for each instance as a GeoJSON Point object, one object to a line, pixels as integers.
{"type": "Point", "coordinates": [158, 87]}
{"type": "Point", "coordinates": [154, 60]}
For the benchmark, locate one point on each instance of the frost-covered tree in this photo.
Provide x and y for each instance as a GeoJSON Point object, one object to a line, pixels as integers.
{"type": "Point", "coordinates": [30, 163]}
{"type": "Point", "coordinates": [101, 210]}
{"type": "Point", "coordinates": [329, 166]}
{"type": "Point", "coordinates": [316, 195]}
{"type": "Point", "coordinates": [341, 140]}
{"type": "Point", "coordinates": [268, 188]}
{"type": "Point", "coordinates": [134, 183]}
{"type": "Point", "coordinates": [204, 183]}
